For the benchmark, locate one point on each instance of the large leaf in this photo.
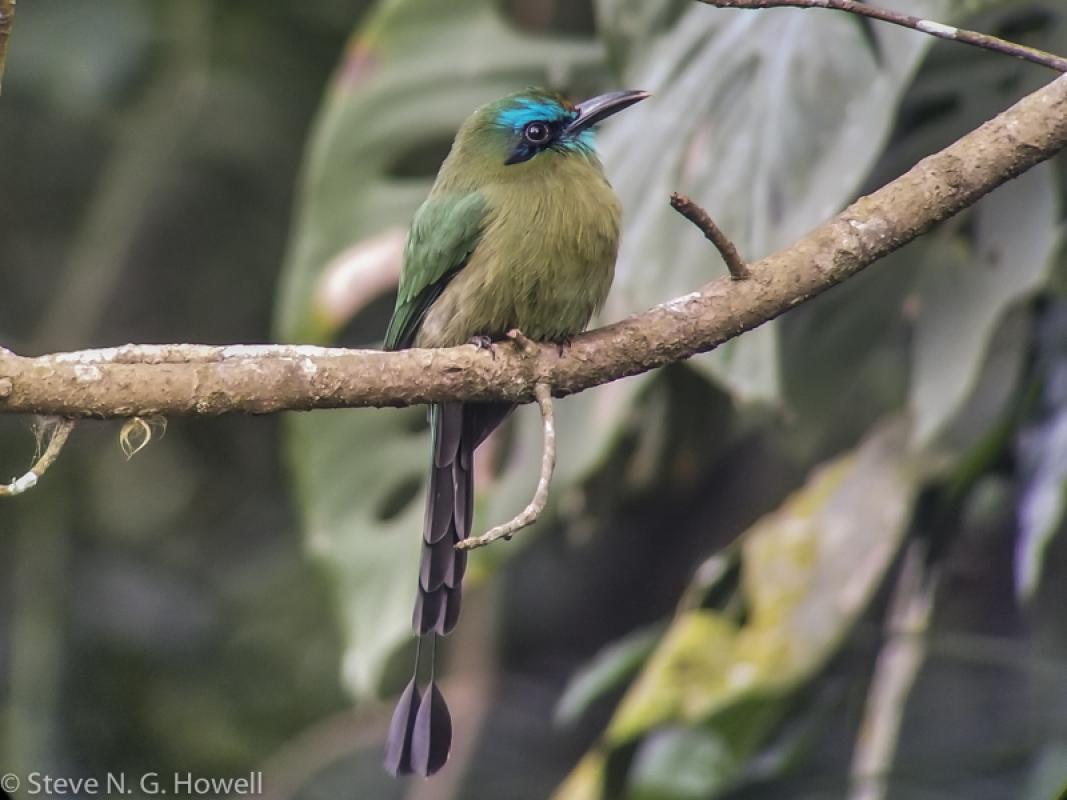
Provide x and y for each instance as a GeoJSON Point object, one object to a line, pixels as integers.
{"type": "Point", "coordinates": [807, 572]}
{"type": "Point", "coordinates": [848, 356]}
{"type": "Point", "coordinates": [1042, 454]}
{"type": "Point", "coordinates": [408, 79]}
{"type": "Point", "coordinates": [851, 356]}
{"type": "Point", "coordinates": [629, 27]}
{"type": "Point", "coordinates": [78, 57]}
{"type": "Point", "coordinates": [968, 286]}
{"type": "Point", "coordinates": [770, 120]}
{"type": "Point", "coordinates": [609, 668]}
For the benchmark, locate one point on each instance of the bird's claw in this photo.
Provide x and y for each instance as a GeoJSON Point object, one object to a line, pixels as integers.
{"type": "Point", "coordinates": [484, 343]}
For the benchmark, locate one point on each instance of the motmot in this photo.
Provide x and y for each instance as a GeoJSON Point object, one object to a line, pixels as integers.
{"type": "Point", "coordinates": [519, 232]}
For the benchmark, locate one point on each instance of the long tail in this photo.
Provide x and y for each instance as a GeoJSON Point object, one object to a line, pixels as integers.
{"type": "Point", "coordinates": [420, 735]}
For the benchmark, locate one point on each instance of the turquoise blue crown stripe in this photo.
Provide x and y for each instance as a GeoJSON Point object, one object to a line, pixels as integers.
{"type": "Point", "coordinates": [519, 116]}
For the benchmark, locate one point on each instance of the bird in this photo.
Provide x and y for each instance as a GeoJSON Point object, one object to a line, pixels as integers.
{"type": "Point", "coordinates": [520, 232]}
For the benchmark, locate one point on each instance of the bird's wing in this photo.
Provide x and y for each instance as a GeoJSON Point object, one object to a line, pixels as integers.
{"type": "Point", "coordinates": [444, 233]}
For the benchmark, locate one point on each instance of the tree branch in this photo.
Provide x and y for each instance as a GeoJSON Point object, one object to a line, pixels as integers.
{"type": "Point", "coordinates": [529, 515]}
{"type": "Point", "coordinates": [170, 380]}
{"type": "Point", "coordinates": [898, 665]}
{"type": "Point", "coordinates": [57, 434]}
{"type": "Point", "coordinates": [7, 21]}
{"type": "Point", "coordinates": [937, 29]}
{"type": "Point", "coordinates": [736, 266]}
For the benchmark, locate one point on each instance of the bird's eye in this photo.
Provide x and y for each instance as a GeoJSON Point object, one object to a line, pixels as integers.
{"type": "Point", "coordinates": [537, 133]}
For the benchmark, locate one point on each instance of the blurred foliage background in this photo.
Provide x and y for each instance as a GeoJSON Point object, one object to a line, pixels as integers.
{"type": "Point", "coordinates": [821, 562]}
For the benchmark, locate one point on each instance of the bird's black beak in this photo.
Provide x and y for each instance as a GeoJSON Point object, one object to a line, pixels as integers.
{"type": "Point", "coordinates": [597, 109]}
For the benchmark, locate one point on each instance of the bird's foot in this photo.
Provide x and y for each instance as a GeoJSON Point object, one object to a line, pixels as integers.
{"type": "Point", "coordinates": [563, 344]}
{"type": "Point", "coordinates": [483, 343]}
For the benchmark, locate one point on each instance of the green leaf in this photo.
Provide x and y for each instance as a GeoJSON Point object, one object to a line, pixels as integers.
{"type": "Point", "coordinates": [408, 79]}
{"type": "Point", "coordinates": [348, 474]}
{"type": "Point", "coordinates": [808, 571]}
{"type": "Point", "coordinates": [610, 667]}
{"type": "Point", "coordinates": [977, 429]}
{"type": "Point", "coordinates": [94, 53]}
{"type": "Point", "coordinates": [844, 355]}
{"type": "Point", "coordinates": [770, 120]}
{"type": "Point", "coordinates": [678, 763]}
{"type": "Point", "coordinates": [968, 286]}
{"type": "Point", "coordinates": [847, 356]}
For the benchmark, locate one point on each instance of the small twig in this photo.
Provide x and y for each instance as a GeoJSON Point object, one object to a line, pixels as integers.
{"type": "Point", "coordinates": [60, 433]}
{"type": "Point", "coordinates": [699, 217]}
{"type": "Point", "coordinates": [938, 29]}
{"type": "Point", "coordinates": [530, 514]}
{"type": "Point", "coordinates": [7, 20]}
{"type": "Point", "coordinates": [894, 674]}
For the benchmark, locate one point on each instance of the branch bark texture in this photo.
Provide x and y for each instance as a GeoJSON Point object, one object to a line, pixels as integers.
{"type": "Point", "coordinates": [7, 21]}
{"type": "Point", "coordinates": [198, 379]}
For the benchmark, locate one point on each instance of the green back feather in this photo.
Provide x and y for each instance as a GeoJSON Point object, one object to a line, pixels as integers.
{"type": "Point", "coordinates": [444, 233]}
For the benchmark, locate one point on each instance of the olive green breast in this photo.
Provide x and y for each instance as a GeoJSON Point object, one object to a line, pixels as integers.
{"type": "Point", "coordinates": [544, 263]}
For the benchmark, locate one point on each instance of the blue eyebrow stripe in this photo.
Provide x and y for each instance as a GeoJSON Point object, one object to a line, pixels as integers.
{"type": "Point", "coordinates": [519, 116]}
